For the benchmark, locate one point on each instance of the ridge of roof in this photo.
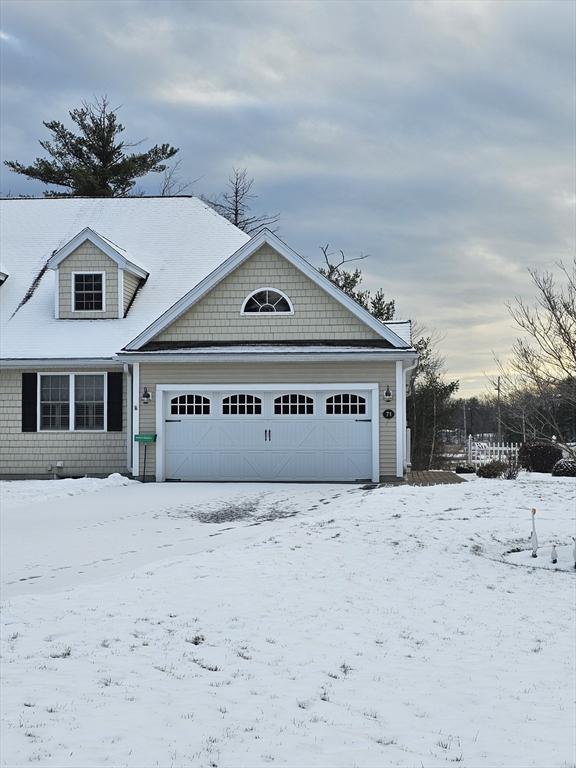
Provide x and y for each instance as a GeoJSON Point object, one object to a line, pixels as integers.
{"type": "Point", "coordinates": [97, 197]}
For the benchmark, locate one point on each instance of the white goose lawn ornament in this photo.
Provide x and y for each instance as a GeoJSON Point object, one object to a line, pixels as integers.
{"type": "Point", "coordinates": [534, 538]}
{"type": "Point", "coordinates": [554, 555]}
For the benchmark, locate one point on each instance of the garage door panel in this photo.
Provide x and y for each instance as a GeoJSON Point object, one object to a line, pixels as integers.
{"type": "Point", "coordinates": [244, 434]}
{"type": "Point", "coordinates": [191, 437]}
{"type": "Point", "coordinates": [269, 446]}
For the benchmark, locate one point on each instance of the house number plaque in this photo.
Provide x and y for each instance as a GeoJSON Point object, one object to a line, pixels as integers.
{"type": "Point", "coordinates": [388, 413]}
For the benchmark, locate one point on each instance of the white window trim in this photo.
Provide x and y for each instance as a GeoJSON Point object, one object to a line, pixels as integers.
{"type": "Point", "coordinates": [339, 415]}
{"type": "Point", "coordinates": [260, 415]}
{"type": "Point", "coordinates": [193, 416]}
{"type": "Point", "coordinates": [268, 314]}
{"type": "Point", "coordinates": [294, 392]}
{"type": "Point", "coordinates": [72, 394]}
{"type": "Point", "coordinates": [166, 390]}
{"type": "Point", "coordinates": [73, 299]}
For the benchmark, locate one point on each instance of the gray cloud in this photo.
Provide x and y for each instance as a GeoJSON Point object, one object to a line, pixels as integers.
{"type": "Point", "coordinates": [437, 136]}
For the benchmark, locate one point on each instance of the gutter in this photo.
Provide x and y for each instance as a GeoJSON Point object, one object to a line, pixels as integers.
{"type": "Point", "coordinates": [255, 357]}
{"type": "Point", "coordinates": [61, 362]}
{"type": "Point", "coordinates": [407, 459]}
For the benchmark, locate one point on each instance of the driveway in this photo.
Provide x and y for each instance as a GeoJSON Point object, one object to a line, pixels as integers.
{"type": "Point", "coordinates": [51, 541]}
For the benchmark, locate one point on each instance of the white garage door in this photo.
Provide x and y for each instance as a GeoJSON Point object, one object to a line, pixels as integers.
{"type": "Point", "coordinates": [285, 435]}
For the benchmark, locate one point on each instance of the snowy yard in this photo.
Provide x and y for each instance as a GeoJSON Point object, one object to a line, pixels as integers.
{"type": "Point", "coordinates": [306, 625]}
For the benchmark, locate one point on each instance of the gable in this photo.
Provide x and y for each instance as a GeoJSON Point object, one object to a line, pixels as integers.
{"type": "Point", "coordinates": [217, 316]}
{"type": "Point", "coordinates": [87, 258]}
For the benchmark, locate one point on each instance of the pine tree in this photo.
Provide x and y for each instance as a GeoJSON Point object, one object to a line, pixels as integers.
{"type": "Point", "coordinates": [92, 162]}
{"type": "Point", "coordinates": [349, 280]}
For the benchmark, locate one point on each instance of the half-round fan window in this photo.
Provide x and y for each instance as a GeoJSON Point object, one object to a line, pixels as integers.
{"type": "Point", "coordinates": [267, 300]}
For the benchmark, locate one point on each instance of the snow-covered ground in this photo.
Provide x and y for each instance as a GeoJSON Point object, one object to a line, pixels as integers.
{"type": "Point", "coordinates": [185, 625]}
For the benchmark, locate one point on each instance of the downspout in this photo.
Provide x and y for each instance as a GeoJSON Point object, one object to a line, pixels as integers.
{"type": "Point", "coordinates": [128, 375]}
{"type": "Point", "coordinates": [405, 386]}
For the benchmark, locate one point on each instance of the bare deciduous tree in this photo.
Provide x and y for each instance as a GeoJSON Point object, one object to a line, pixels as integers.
{"type": "Point", "coordinates": [539, 380]}
{"type": "Point", "coordinates": [172, 183]}
{"type": "Point", "coordinates": [235, 205]}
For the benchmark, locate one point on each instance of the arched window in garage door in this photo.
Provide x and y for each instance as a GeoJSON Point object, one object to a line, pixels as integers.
{"type": "Point", "coordinates": [241, 405]}
{"type": "Point", "coordinates": [293, 404]}
{"type": "Point", "coordinates": [345, 405]}
{"type": "Point", "coordinates": [190, 405]}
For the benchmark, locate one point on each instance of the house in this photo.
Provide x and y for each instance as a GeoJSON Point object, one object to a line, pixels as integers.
{"type": "Point", "coordinates": [130, 316]}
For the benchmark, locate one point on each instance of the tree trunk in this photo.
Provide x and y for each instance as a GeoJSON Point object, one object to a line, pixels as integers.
{"type": "Point", "coordinates": [433, 442]}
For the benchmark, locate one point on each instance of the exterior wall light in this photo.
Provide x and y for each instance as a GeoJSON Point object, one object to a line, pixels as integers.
{"type": "Point", "coordinates": [146, 397]}
{"type": "Point", "coordinates": [388, 395]}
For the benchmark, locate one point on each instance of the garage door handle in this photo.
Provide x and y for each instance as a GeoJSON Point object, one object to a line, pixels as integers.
{"type": "Point", "coordinates": [172, 421]}
{"type": "Point", "coordinates": [362, 419]}
{"type": "Point", "coordinates": [267, 435]}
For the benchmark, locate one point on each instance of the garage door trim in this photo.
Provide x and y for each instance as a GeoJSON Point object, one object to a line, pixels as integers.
{"type": "Point", "coordinates": [163, 390]}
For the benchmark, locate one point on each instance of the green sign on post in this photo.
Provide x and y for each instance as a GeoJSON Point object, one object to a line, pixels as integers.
{"type": "Point", "coordinates": [145, 437]}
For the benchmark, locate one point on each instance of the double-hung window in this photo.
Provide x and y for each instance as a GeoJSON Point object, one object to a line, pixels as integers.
{"type": "Point", "coordinates": [72, 402]}
{"type": "Point", "coordinates": [88, 291]}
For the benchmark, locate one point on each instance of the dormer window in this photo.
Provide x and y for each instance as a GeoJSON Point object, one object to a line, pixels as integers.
{"type": "Point", "coordinates": [267, 300]}
{"type": "Point", "coordinates": [88, 291]}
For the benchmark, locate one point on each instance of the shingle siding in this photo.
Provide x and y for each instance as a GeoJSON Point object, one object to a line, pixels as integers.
{"type": "Point", "coordinates": [217, 317]}
{"type": "Point", "coordinates": [31, 454]}
{"type": "Point", "coordinates": [131, 283]}
{"type": "Point", "coordinates": [87, 258]}
{"type": "Point", "coordinates": [272, 373]}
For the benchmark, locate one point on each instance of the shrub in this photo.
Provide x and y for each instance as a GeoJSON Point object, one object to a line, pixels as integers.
{"type": "Point", "coordinates": [465, 469]}
{"type": "Point", "coordinates": [538, 457]}
{"type": "Point", "coordinates": [492, 469]}
{"type": "Point", "coordinates": [564, 468]}
{"type": "Point", "coordinates": [512, 469]}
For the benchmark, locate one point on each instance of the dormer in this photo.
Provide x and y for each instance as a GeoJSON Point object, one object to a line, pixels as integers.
{"type": "Point", "coordinates": [95, 278]}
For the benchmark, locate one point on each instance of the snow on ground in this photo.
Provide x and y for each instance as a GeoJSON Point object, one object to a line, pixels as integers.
{"type": "Point", "coordinates": [256, 625]}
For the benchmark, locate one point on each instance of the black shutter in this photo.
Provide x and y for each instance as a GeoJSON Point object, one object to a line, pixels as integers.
{"type": "Point", "coordinates": [115, 379]}
{"type": "Point", "coordinates": [29, 402]}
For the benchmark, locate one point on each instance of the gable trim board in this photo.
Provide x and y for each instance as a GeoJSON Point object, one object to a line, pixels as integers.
{"type": "Point", "coordinates": [106, 246]}
{"type": "Point", "coordinates": [239, 257]}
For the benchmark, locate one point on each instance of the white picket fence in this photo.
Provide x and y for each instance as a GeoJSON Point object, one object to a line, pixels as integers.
{"type": "Point", "coordinates": [479, 452]}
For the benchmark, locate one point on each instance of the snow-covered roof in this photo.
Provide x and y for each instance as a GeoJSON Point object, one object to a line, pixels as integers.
{"type": "Point", "coordinates": [402, 328]}
{"type": "Point", "coordinates": [114, 251]}
{"type": "Point", "coordinates": [182, 244]}
{"type": "Point", "coordinates": [179, 241]}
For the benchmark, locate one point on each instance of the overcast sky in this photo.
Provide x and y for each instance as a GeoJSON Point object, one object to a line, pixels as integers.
{"type": "Point", "coordinates": [438, 137]}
